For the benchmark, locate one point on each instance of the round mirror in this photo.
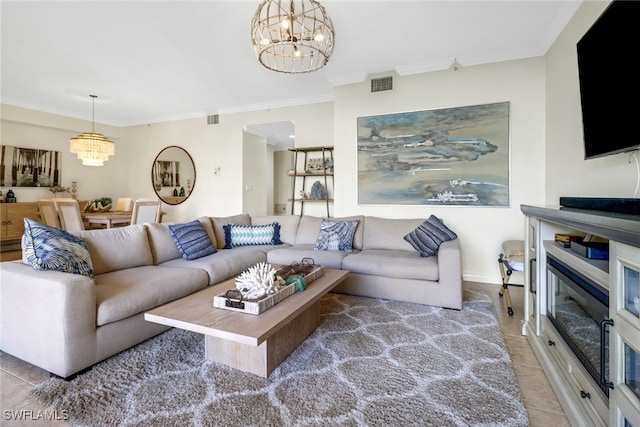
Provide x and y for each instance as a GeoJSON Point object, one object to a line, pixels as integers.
{"type": "Point", "coordinates": [173, 175]}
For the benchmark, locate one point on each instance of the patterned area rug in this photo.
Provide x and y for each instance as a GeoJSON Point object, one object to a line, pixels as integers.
{"type": "Point", "coordinates": [370, 363]}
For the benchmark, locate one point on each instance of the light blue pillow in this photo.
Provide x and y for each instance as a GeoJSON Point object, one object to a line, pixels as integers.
{"type": "Point", "coordinates": [428, 236]}
{"type": "Point", "coordinates": [50, 248]}
{"type": "Point", "coordinates": [250, 235]}
{"type": "Point", "coordinates": [192, 240]}
{"type": "Point", "coordinates": [336, 235]}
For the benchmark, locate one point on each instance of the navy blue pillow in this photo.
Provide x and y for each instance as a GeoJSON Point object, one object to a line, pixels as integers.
{"type": "Point", "coordinates": [192, 240]}
{"type": "Point", "coordinates": [428, 236]}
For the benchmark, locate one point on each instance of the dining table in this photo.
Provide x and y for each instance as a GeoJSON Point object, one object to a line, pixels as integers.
{"type": "Point", "coordinates": [107, 219]}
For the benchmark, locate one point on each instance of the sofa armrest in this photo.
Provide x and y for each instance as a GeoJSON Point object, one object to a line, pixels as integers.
{"type": "Point", "coordinates": [47, 318]}
{"type": "Point", "coordinates": [450, 264]}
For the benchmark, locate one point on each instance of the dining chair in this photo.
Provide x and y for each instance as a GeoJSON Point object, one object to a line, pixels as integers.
{"type": "Point", "coordinates": [145, 211]}
{"type": "Point", "coordinates": [124, 204]}
{"type": "Point", "coordinates": [49, 213]}
{"type": "Point", "coordinates": [70, 216]}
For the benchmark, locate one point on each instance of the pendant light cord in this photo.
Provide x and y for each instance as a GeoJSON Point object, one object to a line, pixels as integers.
{"type": "Point", "coordinates": [93, 113]}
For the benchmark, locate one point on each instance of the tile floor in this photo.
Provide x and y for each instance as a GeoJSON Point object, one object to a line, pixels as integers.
{"type": "Point", "coordinates": [17, 378]}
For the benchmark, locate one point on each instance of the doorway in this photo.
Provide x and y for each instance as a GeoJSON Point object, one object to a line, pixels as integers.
{"type": "Point", "coordinates": [265, 163]}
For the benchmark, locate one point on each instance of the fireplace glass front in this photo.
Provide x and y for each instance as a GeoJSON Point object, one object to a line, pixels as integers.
{"type": "Point", "coordinates": [579, 310]}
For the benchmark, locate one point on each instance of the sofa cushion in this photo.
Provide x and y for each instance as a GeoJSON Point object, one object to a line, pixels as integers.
{"type": "Point", "coordinates": [336, 235]}
{"type": "Point", "coordinates": [251, 235]}
{"type": "Point", "coordinates": [117, 248]}
{"type": "Point", "coordinates": [192, 240]}
{"type": "Point", "coordinates": [388, 233]}
{"type": "Point", "coordinates": [163, 246]}
{"type": "Point", "coordinates": [220, 222]}
{"type": "Point", "coordinates": [288, 225]}
{"type": "Point", "coordinates": [49, 248]}
{"type": "Point", "coordinates": [392, 263]}
{"type": "Point", "coordinates": [286, 256]}
{"type": "Point", "coordinates": [224, 264]}
{"type": "Point", "coordinates": [428, 236]}
{"type": "Point", "coordinates": [124, 293]}
{"type": "Point", "coordinates": [309, 228]}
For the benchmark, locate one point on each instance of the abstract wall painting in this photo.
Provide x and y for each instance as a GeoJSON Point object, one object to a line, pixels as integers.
{"type": "Point", "coordinates": [29, 167]}
{"type": "Point", "coordinates": [451, 156]}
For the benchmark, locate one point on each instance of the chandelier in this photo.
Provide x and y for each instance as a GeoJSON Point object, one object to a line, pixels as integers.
{"type": "Point", "coordinates": [292, 36]}
{"type": "Point", "coordinates": [92, 148]}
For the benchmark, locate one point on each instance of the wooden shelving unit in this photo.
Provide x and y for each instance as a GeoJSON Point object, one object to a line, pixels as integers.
{"type": "Point", "coordinates": [312, 166]}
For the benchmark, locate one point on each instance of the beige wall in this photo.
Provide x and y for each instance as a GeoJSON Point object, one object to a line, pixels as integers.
{"type": "Point", "coordinates": [546, 155]}
{"type": "Point", "coordinates": [32, 129]}
{"type": "Point", "coordinates": [567, 173]}
{"type": "Point", "coordinates": [481, 229]}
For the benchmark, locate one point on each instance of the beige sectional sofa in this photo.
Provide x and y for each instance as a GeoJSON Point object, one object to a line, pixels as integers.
{"type": "Point", "coordinates": [66, 322]}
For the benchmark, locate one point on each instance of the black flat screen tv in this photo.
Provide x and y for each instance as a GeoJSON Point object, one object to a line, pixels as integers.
{"type": "Point", "coordinates": [610, 81]}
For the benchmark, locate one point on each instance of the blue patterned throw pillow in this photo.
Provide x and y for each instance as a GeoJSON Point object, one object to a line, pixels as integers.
{"type": "Point", "coordinates": [249, 235]}
{"type": "Point", "coordinates": [192, 240]}
{"type": "Point", "coordinates": [50, 248]}
{"type": "Point", "coordinates": [428, 236]}
{"type": "Point", "coordinates": [336, 235]}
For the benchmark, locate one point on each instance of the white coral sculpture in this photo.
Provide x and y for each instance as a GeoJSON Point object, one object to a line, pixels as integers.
{"type": "Point", "coordinates": [257, 282]}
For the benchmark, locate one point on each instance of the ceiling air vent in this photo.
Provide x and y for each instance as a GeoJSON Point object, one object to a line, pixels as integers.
{"type": "Point", "coordinates": [381, 84]}
{"type": "Point", "coordinates": [213, 119]}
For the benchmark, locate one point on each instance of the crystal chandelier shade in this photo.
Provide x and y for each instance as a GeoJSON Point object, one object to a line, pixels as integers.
{"type": "Point", "coordinates": [92, 148]}
{"type": "Point", "coordinates": [292, 36]}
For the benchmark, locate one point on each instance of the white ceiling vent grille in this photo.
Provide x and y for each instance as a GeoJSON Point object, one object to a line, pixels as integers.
{"type": "Point", "coordinates": [213, 119]}
{"type": "Point", "coordinates": [382, 84]}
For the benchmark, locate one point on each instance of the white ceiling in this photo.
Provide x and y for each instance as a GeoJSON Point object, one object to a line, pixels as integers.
{"type": "Point", "coordinates": [166, 60]}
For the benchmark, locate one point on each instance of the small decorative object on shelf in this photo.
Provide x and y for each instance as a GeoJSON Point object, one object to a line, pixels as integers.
{"type": "Point", "coordinates": [74, 189]}
{"type": "Point", "coordinates": [315, 166]}
{"type": "Point", "coordinates": [318, 192]}
{"type": "Point", "coordinates": [175, 192]}
{"type": "Point", "coordinates": [58, 189]}
{"type": "Point", "coordinates": [11, 198]}
{"type": "Point", "coordinates": [182, 192]}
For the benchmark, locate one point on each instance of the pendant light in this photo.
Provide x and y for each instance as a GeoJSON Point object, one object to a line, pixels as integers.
{"type": "Point", "coordinates": [292, 36]}
{"type": "Point", "coordinates": [92, 148]}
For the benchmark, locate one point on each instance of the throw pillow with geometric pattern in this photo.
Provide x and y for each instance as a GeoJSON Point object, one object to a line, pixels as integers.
{"type": "Point", "coordinates": [236, 235]}
{"type": "Point", "coordinates": [50, 248]}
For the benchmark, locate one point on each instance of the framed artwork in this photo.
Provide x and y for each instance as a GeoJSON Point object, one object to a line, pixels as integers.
{"type": "Point", "coordinates": [167, 173]}
{"type": "Point", "coordinates": [29, 167]}
{"type": "Point", "coordinates": [450, 156]}
{"type": "Point", "coordinates": [315, 165]}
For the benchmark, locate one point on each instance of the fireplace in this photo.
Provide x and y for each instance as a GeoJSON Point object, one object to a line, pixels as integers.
{"type": "Point", "coordinates": [578, 308]}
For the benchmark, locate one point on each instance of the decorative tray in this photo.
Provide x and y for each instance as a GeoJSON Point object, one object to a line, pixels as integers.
{"type": "Point", "coordinates": [232, 299]}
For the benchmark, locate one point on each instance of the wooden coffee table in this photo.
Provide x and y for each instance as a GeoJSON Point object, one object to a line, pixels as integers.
{"type": "Point", "coordinates": [250, 343]}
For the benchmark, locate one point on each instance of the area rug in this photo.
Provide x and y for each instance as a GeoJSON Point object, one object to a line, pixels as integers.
{"type": "Point", "coordinates": [371, 362]}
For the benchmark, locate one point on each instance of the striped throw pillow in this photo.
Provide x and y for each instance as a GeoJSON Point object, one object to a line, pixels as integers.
{"type": "Point", "coordinates": [192, 240]}
{"type": "Point", "coordinates": [50, 248]}
{"type": "Point", "coordinates": [250, 235]}
{"type": "Point", "coordinates": [428, 236]}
